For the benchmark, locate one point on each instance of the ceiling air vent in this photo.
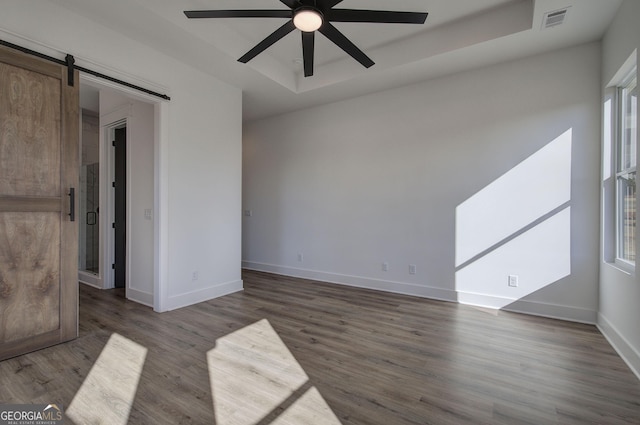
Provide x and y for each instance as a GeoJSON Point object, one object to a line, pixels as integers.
{"type": "Point", "coordinates": [554, 18]}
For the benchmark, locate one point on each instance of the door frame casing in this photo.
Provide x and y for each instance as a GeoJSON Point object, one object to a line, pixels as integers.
{"type": "Point", "coordinates": [107, 195]}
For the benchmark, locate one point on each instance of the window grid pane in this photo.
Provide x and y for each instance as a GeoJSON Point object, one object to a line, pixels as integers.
{"type": "Point", "coordinates": [626, 181]}
{"type": "Point", "coordinates": [629, 135]}
{"type": "Point", "coordinates": [627, 231]}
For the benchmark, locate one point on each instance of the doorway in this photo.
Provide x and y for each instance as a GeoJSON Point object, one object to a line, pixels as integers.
{"type": "Point", "coordinates": [89, 197]}
{"type": "Point", "coordinates": [129, 135]}
{"type": "Point", "coordinates": [103, 185]}
{"type": "Point", "coordinates": [120, 206]}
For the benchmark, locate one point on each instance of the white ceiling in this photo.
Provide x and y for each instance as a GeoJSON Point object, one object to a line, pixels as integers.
{"type": "Point", "coordinates": [458, 35]}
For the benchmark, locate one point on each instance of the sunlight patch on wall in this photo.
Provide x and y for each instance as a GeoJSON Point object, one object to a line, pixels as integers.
{"type": "Point", "coordinates": [513, 237]}
{"type": "Point", "coordinates": [256, 380]}
{"type": "Point", "coordinates": [528, 191]}
{"type": "Point", "coordinates": [539, 257]}
{"type": "Point", "coordinates": [108, 392]}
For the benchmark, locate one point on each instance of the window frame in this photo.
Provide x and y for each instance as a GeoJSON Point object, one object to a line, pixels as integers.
{"type": "Point", "coordinates": [627, 85]}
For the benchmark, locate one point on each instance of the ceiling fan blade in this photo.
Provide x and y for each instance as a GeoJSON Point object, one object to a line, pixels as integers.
{"type": "Point", "coordinates": [264, 44]}
{"type": "Point", "coordinates": [345, 44]}
{"type": "Point", "coordinates": [308, 42]}
{"type": "Point", "coordinates": [291, 3]}
{"type": "Point", "coordinates": [376, 16]}
{"type": "Point", "coordinates": [238, 13]}
{"type": "Point", "coordinates": [330, 3]}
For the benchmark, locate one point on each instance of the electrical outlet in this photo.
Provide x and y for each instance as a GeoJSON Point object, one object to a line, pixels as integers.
{"type": "Point", "coordinates": [412, 269]}
{"type": "Point", "coordinates": [195, 275]}
{"type": "Point", "coordinates": [513, 280]}
{"type": "Point", "coordinates": [248, 213]}
{"type": "Point", "coordinates": [300, 257]}
{"type": "Point", "coordinates": [385, 267]}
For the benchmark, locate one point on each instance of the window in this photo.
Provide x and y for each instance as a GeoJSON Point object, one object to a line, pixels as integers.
{"type": "Point", "coordinates": [626, 171]}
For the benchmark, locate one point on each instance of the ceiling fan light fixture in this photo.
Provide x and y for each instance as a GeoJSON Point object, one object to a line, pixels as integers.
{"type": "Point", "coordinates": [307, 20]}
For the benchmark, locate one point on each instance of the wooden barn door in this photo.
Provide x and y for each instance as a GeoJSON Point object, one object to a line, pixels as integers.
{"type": "Point", "coordinates": [39, 164]}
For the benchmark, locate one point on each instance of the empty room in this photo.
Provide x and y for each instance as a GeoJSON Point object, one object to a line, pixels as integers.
{"type": "Point", "coordinates": [319, 212]}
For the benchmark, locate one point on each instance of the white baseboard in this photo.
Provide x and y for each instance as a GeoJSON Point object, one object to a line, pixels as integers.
{"type": "Point", "coordinates": [629, 354]}
{"type": "Point", "coordinates": [141, 297]}
{"type": "Point", "coordinates": [90, 279]}
{"type": "Point", "coordinates": [356, 281]}
{"type": "Point", "coordinates": [206, 294]}
{"type": "Point", "coordinates": [554, 311]}
{"type": "Point", "coordinates": [92, 284]}
{"type": "Point", "coordinates": [481, 300]}
{"type": "Point", "coordinates": [528, 307]}
{"type": "Point", "coordinates": [144, 298]}
{"type": "Point", "coordinates": [535, 308]}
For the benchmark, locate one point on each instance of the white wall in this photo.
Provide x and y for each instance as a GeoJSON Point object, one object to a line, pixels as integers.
{"type": "Point", "coordinates": [619, 314]}
{"type": "Point", "coordinates": [140, 189]}
{"type": "Point", "coordinates": [198, 152]}
{"type": "Point", "coordinates": [140, 198]}
{"type": "Point", "coordinates": [417, 175]}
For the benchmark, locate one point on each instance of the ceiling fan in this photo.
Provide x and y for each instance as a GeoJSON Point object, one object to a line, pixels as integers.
{"type": "Point", "coordinates": [310, 16]}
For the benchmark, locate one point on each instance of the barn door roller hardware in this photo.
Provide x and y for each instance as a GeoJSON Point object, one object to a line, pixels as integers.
{"type": "Point", "coordinates": [70, 61]}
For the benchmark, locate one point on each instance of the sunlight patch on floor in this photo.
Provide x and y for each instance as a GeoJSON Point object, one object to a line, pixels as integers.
{"type": "Point", "coordinates": [256, 380]}
{"type": "Point", "coordinates": [310, 408]}
{"type": "Point", "coordinates": [108, 392]}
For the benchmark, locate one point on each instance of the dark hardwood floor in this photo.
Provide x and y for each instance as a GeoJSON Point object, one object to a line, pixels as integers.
{"type": "Point", "coordinates": [373, 358]}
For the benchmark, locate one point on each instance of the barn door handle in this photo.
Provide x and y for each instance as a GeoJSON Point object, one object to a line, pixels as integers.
{"type": "Point", "coordinates": [92, 218]}
{"type": "Point", "coordinates": [72, 204]}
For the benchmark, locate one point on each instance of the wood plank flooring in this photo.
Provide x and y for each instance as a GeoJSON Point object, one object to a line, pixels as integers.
{"type": "Point", "coordinates": [339, 353]}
